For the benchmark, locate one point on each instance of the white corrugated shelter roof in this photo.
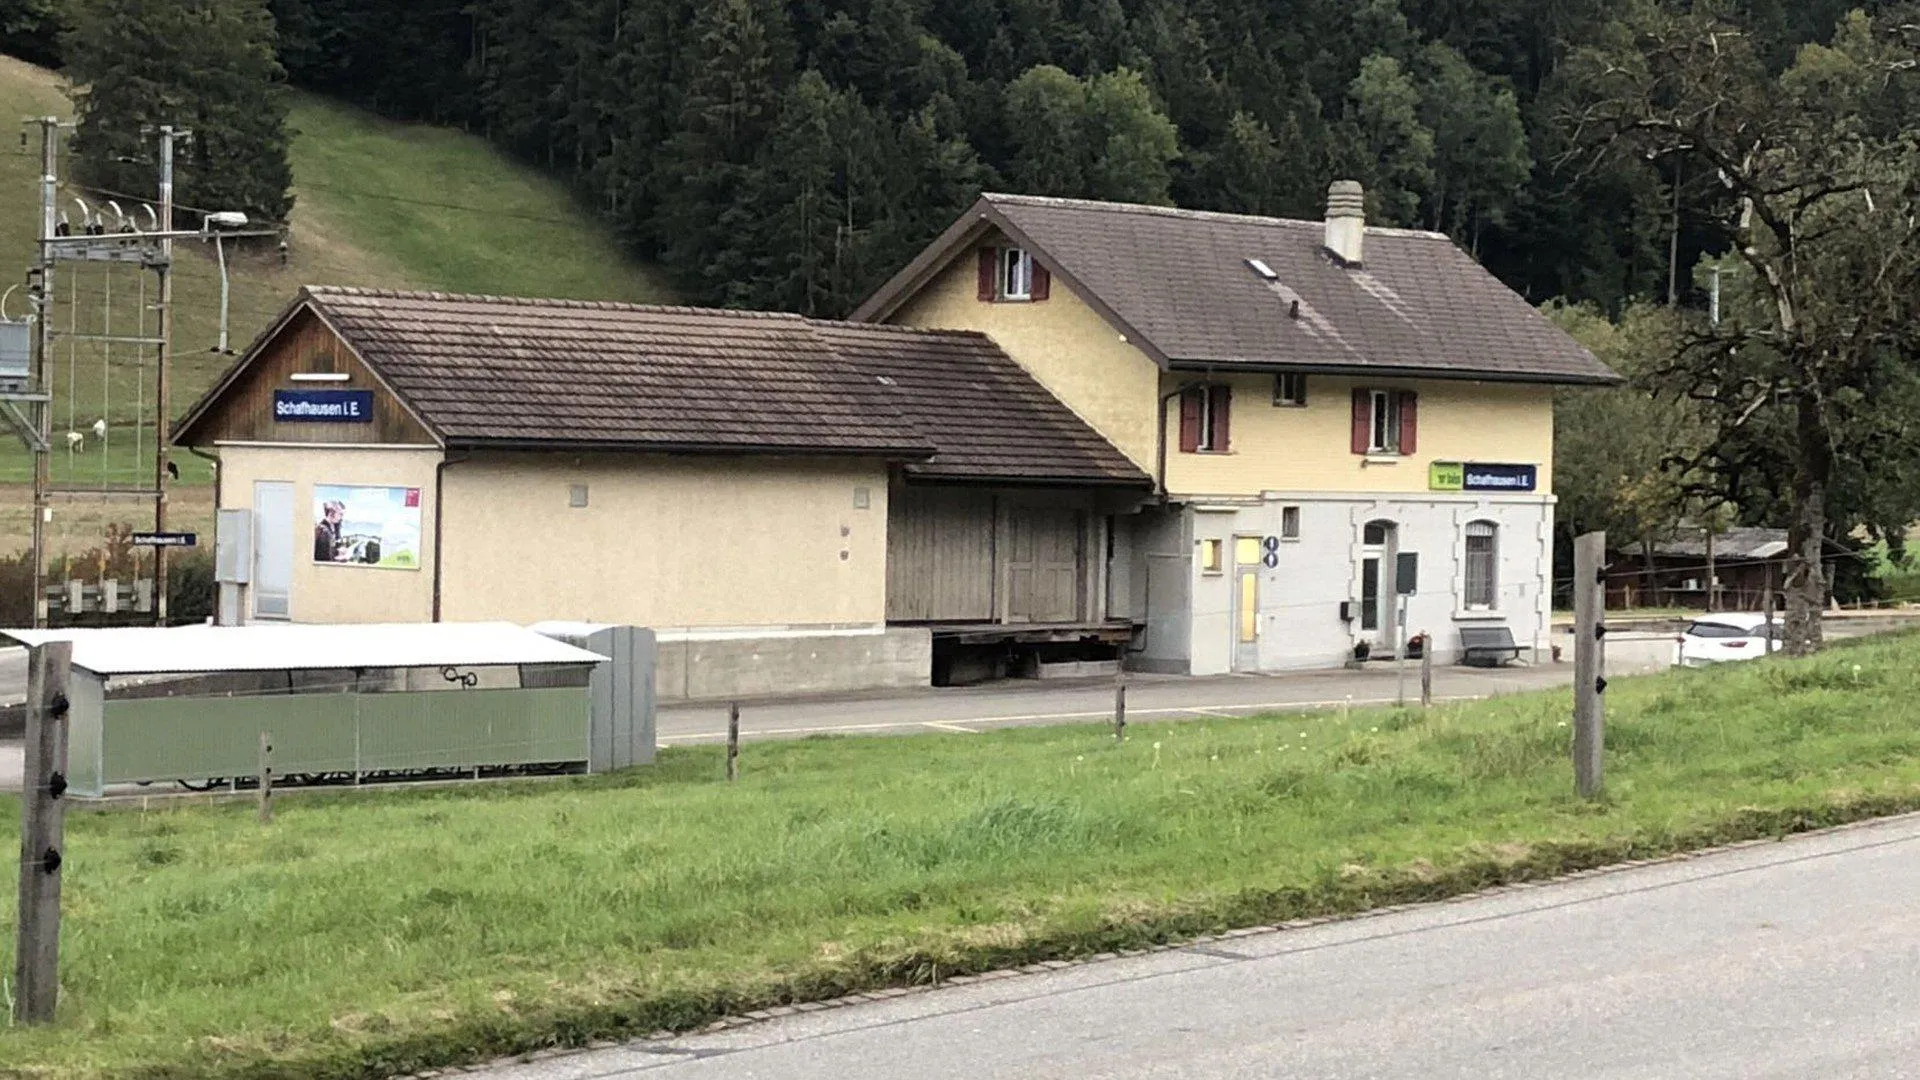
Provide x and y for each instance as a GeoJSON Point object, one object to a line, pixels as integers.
{"type": "Point", "coordinates": [151, 650]}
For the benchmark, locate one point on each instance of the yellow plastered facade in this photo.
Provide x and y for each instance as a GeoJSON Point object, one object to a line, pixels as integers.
{"type": "Point", "coordinates": [338, 593]}
{"type": "Point", "coordinates": [1064, 344]}
{"type": "Point", "coordinates": [1072, 350]}
{"type": "Point", "coordinates": [709, 542]}
{"type": "Point", "coordinates": [1309, 448]}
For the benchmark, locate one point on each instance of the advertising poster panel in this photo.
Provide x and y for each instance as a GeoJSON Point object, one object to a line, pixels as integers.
{"type": "Point", "coordinates": [358, 525]}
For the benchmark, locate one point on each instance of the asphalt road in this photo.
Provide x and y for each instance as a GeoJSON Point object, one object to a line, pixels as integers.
{"type": "Point", "coordinates": [1792, 960]}
{"type": "Point", "coordinates": [1016, 703]}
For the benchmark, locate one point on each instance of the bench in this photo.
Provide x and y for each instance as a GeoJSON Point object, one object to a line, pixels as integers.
{"type": "Point", "coordinates": [1487, 646]}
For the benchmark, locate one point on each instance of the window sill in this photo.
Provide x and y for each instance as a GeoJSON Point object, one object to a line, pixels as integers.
{"type": "Point", "coordinates": [1382, 459]}
{"type": "Point", "coordinates": [1478, 616]}
{"type": "Point", "coordinates": [1289, 539]}
{"type": "Point", "coordinates": [1209, 453]}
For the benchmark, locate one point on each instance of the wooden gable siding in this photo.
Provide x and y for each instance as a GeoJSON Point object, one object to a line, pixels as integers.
{"type": "Point", "coordinates": [306, 344]}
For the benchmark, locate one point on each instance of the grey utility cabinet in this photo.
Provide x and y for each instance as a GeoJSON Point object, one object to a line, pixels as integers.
{"type": "Point", "coordinates": [622, 692]}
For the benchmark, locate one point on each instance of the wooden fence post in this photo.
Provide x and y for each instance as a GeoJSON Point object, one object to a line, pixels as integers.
{"type": "Point", "coordinates": [36, 981]}
{"type": "Point", "coordinates": [266, 777]}
{"type": "Point", "coordinates": [1589, 662]}
{"type": "Point", "coordinates": [1120, 705]}
{"type": "Point", "coordinates": [733, 742]}
{"type": "Point", "coordinates": [1766, 607]}
{"type": "Point", "coordinates": [1426, 669]}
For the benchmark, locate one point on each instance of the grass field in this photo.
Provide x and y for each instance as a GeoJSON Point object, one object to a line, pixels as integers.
{"type": "Point", "coordinates": [361, 933]}
{"type": "Point", "coordinates": [378, 204]}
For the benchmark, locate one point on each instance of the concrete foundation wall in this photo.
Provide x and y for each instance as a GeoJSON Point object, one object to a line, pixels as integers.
{"type": "Point", "coordinates": [717, 667]}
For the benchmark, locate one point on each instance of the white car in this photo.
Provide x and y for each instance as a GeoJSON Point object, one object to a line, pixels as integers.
{"type": "Point", "coordinates": [1711, 639]}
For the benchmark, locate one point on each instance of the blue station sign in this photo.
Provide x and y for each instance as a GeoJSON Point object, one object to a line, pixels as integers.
{"type": "Point", "coordinates": [1482, 476]}
{"type": "Point", "coordinates": [323, 406]}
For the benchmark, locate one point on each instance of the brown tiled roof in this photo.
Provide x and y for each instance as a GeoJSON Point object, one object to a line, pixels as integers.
{"type": "Point", "coordinates": [496, 371]}
{"type": "Point", "coordinates": [988, 418]}
{"type": "Point", "coordinates": [1178, 283]}
{"type": "Point", "coordinates": [503, 371]}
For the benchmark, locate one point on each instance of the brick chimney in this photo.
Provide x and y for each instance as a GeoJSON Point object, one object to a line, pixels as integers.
{"type": "Point", "coordinates": [1346, 221]}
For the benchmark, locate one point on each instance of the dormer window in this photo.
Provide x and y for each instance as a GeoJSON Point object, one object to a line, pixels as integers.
{"type": "Point", "coordinates": [1011, 275]}
{"type": "Point", "coordinates": [1016, 274]}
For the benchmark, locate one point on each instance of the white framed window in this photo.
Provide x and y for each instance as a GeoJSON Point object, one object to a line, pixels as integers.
{"type": "Point", "coordinates": [1016, 274]}
{"type": "Point", "coordinates": [1290, 390]}
{"type": "Point", "coordinates": [1481, 591]}
{"type": "Point", "coordinates": [1289, 523]}
{"type": "Point", "coordinates": [1384, 426]}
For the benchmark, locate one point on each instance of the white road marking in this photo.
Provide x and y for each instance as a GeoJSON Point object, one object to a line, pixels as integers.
{"type": "Point", "coordinates": [944, 725]}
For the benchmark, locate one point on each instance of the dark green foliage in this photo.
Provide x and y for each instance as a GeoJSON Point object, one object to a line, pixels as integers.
{"type": "Point", "coordinates": [671, 118]}
{"type": "Point", "coordinates": [208, 66]}
{"type": "Point", "coordinates": [30, 30]}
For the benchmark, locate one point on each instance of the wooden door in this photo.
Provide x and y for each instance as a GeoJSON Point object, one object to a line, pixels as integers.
{"type": "Point", "coordinates": [1045, 564]}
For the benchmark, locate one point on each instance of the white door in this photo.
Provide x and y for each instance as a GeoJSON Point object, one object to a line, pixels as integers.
{"type": "Point", "coordinates": [273, 520]}
{"type": "Point", "coordinates": [1379, 599]}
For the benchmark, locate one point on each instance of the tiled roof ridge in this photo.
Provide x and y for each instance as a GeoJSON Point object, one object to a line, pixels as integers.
{"type": "Point", "coordinates": [323, 292]}
{"type": "Point", "coordinates": [1098, 205]}
{"type": "Point", "coordinates": [897, 328]}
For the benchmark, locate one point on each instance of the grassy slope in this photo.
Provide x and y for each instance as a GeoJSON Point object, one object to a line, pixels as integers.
{"type": "Point", "coordinates": [370, 931]}
{"type": "Point", "coordinates": [378, 204]}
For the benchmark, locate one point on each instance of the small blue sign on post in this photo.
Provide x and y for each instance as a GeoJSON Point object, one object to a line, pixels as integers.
{"type": "Point", "coordinates": [323, 406]}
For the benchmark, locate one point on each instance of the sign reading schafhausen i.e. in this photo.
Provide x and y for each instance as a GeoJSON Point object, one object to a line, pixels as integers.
{"type": "Point", "coordinates": [1481, 476]}
{"type": "Point", "coordinates": [323, 406]}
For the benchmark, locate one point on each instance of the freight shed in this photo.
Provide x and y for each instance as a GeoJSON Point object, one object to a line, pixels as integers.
{"type": "Point", "coordinates": [794, 506]}
{"type": "Point", "coordinates": [998, 543]}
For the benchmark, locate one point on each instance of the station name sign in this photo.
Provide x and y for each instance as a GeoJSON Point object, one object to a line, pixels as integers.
{"type": "Point", "coordinates": [1481, 476]}
{"type": "Point", "coordinates": [323, 406]}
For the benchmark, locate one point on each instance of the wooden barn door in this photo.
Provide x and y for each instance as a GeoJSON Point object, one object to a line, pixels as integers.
{"type": "Point", "coordinates": [1045, 564]}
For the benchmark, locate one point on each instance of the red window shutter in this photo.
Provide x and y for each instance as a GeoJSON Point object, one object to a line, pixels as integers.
{"type": "Point", "coordinates": [1222, 407]}
{"type": "Point", "coordinates": [989, 269]}
{"type": "Point", "coordinates": [1362, 419]}
{"type": "Point", "coordinates": [1042, 282]}
{"type": "Point", "coordinates": [1190, 419]}
{"type": "Point", "coordinates": [1409, 422]}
